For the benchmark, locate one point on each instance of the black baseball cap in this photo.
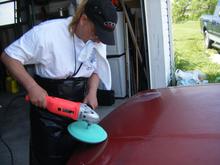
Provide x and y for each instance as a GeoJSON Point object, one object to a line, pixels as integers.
{"type": "Point", "coordinates": [104, 16]}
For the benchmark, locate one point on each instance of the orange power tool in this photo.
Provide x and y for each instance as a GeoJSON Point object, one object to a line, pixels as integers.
{"type": "Point", "coordinates": [71, 109]}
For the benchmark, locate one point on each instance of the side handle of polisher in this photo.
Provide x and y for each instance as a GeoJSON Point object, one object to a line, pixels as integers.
{"type": "Point", "coordinates": [62, 107]}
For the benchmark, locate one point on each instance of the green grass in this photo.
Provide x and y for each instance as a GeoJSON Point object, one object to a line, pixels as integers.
{"type": "Point", "coordinates": [189, 50]}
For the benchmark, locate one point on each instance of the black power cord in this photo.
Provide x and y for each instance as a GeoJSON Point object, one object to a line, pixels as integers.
{"type": "Point", "coordinates": [6, 108]}
{"type": "Point", "coordinates": [8, 148]}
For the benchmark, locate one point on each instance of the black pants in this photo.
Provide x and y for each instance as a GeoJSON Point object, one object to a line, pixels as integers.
{"type": "Point", "coordinates": [50, 141]}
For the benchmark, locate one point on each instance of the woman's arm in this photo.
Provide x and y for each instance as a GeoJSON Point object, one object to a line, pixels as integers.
{"type": "Point", "coordinates": [91, 97]}
{"type": "Point", "coordinates": [17, 70]}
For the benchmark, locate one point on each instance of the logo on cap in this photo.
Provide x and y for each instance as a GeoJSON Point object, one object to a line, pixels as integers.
{"type": "Point", "coordinates": [109, 25]}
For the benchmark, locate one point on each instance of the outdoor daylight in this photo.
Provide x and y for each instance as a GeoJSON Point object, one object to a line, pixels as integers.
{"type": "Point", "coordinates": [190, 50]}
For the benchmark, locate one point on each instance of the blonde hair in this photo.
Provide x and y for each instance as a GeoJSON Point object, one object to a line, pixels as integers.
{"type": "Point", "coordinates": [80, 10]}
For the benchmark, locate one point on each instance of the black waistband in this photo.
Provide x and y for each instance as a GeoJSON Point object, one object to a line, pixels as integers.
{"type": "Point", "coordinates": [59, 81]}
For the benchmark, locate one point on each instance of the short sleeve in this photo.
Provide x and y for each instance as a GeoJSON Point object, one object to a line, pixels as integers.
{"type": "Point", "coordinates": [28, 48]}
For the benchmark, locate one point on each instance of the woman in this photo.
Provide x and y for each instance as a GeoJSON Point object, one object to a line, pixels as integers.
{"type": "Point", "coordinates": [69, 57]}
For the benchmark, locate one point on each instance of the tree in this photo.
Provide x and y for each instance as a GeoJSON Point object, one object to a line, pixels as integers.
{"type": "Point", "coordinates": [191, 9]}
{"type": "Point", "coordinates": [199, 7]}
{"type": "Point", "coordinates": [180, 10]}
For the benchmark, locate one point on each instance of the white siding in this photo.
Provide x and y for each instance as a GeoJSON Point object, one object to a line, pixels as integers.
{"type": "Point", "coordinates": [159, 45]}
{"type": "Point", "coordinates": [167, 35]}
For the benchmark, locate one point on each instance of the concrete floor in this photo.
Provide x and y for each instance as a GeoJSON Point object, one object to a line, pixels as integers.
{"type": "Point", "coordinates": [15, 129]}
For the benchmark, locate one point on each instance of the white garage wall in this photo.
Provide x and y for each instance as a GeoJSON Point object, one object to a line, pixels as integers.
{"type": "Point", "coordinates": [159, 42]}
{"type": "Point", "coordinates": [167, 39]}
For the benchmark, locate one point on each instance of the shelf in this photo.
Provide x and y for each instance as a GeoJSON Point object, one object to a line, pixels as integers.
{"type": "Point", "coordinates": [53, 15]}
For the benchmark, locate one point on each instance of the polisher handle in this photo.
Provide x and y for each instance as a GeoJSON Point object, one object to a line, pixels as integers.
{"type": "Point", "coordinates": [61, 107]}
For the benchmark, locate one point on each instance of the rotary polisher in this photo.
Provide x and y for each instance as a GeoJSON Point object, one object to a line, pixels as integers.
{"type": "Point", "coordinates": [85, 128]}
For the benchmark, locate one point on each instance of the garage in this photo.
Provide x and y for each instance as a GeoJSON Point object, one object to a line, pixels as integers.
{"type": "Point", "coordinates": [142, 57]}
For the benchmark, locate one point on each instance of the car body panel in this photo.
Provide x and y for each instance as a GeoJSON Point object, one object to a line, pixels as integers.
{"type": "Point", "coordinates": [176, 125]}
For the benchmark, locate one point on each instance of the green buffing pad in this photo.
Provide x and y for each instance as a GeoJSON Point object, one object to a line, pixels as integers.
{"type": "Point", "coordinates": [87, 133]}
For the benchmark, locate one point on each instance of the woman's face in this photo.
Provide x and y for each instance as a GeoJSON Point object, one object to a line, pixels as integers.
{"type": "Point", "coordinates": [86, 29]}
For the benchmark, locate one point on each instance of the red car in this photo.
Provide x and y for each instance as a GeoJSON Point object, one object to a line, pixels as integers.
{"type": "Point", "coordinates": [170, 126]}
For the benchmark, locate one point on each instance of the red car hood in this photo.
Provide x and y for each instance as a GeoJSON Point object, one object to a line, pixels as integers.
{"type": "Point", "coordinates": [178, 125]}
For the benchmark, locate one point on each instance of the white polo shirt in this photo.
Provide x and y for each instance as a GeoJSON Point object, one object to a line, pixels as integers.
{"type": "Point", "coordinates": [58, 55]}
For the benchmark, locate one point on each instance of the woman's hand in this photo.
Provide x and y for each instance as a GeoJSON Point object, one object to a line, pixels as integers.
{"type": "Point", "coordinates": [37, 96]}
{"type": "Point", "coordinates": [91, 99]}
